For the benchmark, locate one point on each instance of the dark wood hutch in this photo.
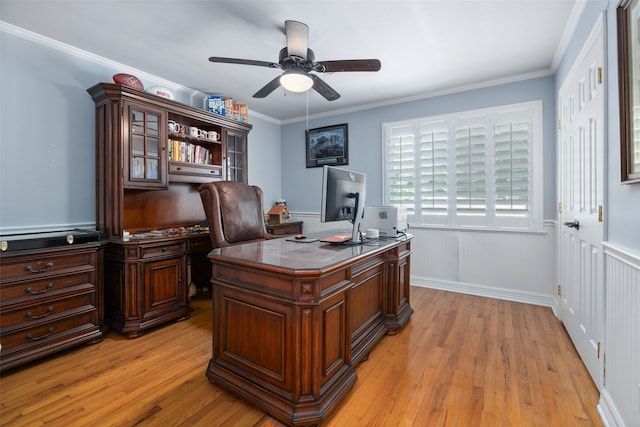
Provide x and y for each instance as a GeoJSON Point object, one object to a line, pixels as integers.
{"type": "Point", "coordinates": [142, 189]}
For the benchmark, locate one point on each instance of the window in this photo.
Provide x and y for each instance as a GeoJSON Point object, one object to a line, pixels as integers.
{"type": "Point", "coordinates": [480, 168]}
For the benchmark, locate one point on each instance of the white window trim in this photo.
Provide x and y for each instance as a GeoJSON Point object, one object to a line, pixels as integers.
{"type": "Point", "coordinates": [532, 222]}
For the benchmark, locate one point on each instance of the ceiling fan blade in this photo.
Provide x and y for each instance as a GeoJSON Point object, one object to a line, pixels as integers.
{"type": "Point", "coordinates": [268, 88]}
{"type": "Point", "coordinates": [324, 89]}
{"type": "Point", "coordinates": [244, 62]}
{"type": "Point", "coordinates": [350, 65]}
{"type": "Point", "coordinates": [297, 38]}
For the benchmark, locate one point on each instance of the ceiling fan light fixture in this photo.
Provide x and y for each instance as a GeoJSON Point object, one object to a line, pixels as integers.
{"type": "Point", "coordinates": [296, 81]}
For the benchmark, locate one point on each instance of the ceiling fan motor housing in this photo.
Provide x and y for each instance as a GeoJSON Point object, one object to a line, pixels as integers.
{"type": "Point", "coordinates": [287, 61]}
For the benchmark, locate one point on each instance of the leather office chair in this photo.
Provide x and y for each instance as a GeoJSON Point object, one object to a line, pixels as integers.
{"type": "Point", "coordinates": [234, 212]}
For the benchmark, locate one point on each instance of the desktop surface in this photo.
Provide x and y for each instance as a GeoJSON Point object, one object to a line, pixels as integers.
{"type": "Point", "coordinates": [286, 253]}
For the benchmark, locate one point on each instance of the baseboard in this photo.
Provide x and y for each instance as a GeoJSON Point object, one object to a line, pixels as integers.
{"type": "Point", "coordinates": [486, 291]}
{"type": "Point", "coordinates": [608, 412]}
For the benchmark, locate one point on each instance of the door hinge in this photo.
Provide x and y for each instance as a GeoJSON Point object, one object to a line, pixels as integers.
{"type": "Point", "coordinates": [600, 75]}
{"type": "Point", "coordinates": [559, 290]}
{"type": "Point", "coordinates": [559, 207]}
{"type": "Point", "coordinates": [560, 124]}
{"type": "Point", "coordinates": [600, 213]}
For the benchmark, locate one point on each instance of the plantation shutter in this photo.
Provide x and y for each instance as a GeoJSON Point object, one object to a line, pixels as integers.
{"type": "Point", "coordinates": [470, 167]}
{"type": "Point", "coordinates": [433, 160]}
{"type": "Point", "coordinates": [401, 167]}
{"type": "Point", "coordinates": [511, 156]}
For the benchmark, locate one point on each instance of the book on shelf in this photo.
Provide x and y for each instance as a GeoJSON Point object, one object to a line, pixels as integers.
{"type": "Point", "coordinates": [181, 151]}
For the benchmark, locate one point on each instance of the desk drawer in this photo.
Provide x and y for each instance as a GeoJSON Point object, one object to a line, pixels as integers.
{"type": "Point", "coordinates": [163, 249]}
{"type": "Point", "coordinates": [199, 244]}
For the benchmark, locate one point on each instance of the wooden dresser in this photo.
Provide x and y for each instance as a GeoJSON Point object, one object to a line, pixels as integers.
{"type": "Point", "coordinates": [50, 294]}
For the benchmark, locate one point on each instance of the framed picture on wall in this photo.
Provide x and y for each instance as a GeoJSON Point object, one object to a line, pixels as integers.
{"type": "Point", "coordinates": [629, 86]}
{"type": "Point", "coordinates": [328, 146]}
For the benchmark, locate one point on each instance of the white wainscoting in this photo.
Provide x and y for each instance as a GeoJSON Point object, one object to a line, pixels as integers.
{"type": "Point", "coordinates": [513, 266]}
{"type": "Point", "coordinates": [620, 398]}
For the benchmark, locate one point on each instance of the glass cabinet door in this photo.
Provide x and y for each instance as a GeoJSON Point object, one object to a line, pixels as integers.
{"type": "Point", "coordinates": [236, 156]}
{"type": "Point", "coordinates": [146, 148]}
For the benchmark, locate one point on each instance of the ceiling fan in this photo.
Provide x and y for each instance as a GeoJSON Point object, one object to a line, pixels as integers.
{"type": "Point", "coordinates": [297, 61]}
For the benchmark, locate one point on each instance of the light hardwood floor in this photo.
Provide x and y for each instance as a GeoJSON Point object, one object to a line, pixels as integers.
{"type": "Point", "coordinates": [460, 361]}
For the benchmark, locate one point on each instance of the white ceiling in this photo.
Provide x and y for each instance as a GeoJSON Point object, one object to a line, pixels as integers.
{"type": "Point", "coordinates": [426, 47]}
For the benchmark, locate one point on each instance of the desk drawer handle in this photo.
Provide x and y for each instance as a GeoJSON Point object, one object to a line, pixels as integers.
{"type": "Point", "coordinates": [30, 290]}
{"type": "Point", "coordinates": [164, 249]}
{"type": "Point", "coordinates": [30, 315]}
{"type": "Point", "coordinates": [41, 337]}
{"type": "Point", "coordinates": [46, 267]}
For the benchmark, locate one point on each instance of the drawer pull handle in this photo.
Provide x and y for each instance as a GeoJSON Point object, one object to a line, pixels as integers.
{"type": "Point", "coordinates": [30, 315]}
{"type": "Point", "coordinates": [41, 337]}
{"type": "Point", "coordinates": [46, 267]}
{"type": "Point", "coordinates": [164, 249]}
{"type": "Point", "coordinates": [30, 290]}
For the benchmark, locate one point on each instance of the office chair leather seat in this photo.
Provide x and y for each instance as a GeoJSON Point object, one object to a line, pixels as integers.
{"type": "Point", "coordinates": [234, 212]}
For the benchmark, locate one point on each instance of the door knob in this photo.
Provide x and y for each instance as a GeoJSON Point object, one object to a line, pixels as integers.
{"type": "Point", "coordinates": [575, 224]}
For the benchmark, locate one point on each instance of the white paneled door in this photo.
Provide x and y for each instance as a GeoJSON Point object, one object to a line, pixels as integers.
{"type": "Point", "coordinates": [581, 187]}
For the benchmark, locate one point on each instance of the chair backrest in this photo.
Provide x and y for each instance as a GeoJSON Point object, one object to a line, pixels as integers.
{"type": "Point", "coordinates": [234, 212]}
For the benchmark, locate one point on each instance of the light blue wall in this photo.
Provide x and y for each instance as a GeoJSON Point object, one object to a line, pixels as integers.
{"type": "Point", "coordinates": [46, 136]}
{"type": "Point", "coordinates": [47, 143]}
{"type": "Point", "coordinates": [623, 201]}
{"type": "Point", "coordinates": [302, 187]}
{"type": "Point", "coordinates": [264, 158]}
{"type": "Point", "coordinates": [47, 161]}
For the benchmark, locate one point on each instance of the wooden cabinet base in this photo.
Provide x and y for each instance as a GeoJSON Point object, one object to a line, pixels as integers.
{"type": "Point", "coordinates": [146, 283]}
{"type": "Point", "coordinates": [308, 410]}
{"type": "Point", "coordinates": [289, 326]}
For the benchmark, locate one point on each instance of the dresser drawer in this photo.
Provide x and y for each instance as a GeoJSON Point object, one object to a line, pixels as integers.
{"type": "Point", "coordinates": [72, 322]}
{"type": "Point", "coordinates": [21, 316]}
{"type": "Point", "coordinates": [163, 249]}
{"type": "Point", "coordinates": [33, 267]}
{"type": "Point", "coordinates": [26, 292]}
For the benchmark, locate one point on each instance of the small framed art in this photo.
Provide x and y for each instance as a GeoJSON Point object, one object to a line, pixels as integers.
{"type": "Point", "coordinates": [328, 146]}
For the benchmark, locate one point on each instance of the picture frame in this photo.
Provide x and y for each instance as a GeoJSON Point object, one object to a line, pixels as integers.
{"type": "Point", "coordinates": [628, 19]}
{"type": "Point", "coordinates": [327, 146]}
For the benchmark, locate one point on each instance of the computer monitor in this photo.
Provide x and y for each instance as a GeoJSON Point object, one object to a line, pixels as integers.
{"type": "Point", "coordinates": [343, 198]}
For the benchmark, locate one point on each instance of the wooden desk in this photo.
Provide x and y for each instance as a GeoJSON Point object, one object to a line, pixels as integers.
{"type": "Point", "coordinates": [291, 320]}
